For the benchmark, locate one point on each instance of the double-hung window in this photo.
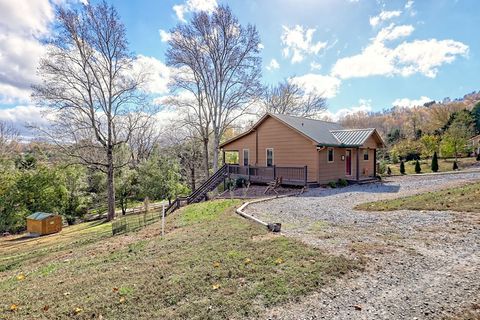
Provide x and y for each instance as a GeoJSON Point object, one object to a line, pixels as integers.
{"type": "Point", "coordinates": [246, 157]}
{"type": "Point", "coordinates": [330, 155]}
{"type": "Point", "coordinates": [269, 157]}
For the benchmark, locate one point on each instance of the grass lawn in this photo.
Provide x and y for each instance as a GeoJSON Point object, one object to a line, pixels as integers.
{"type": "Point", "coordinates": [444, 165]}
{"type": "Point", "coordinates": [464, 199]}
{"type": "Point", "coordinates": [211, 264]}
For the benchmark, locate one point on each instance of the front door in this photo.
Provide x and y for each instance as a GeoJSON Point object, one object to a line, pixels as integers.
{"type": "Point", "coordinates": [348, 162]}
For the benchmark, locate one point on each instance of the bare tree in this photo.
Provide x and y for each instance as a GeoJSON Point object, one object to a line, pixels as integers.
{"type": "Point", "coordinates": [219, 66]}
{"type": "Point", "coordinates": [88, 79]}
{"type": "Point", "coordinates": [289, 98]}
{"type": "Point", "coordinates": [8, 138]}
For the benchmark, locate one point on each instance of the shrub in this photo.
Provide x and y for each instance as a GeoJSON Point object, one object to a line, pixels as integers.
{"type": "Point", "coordinates": [478, 157]}
{"type": "Point", "coordinates": [418, 169]}
{"type": "Point", "coordinates": [435, 162]}
{"type": "Point", "coordinates": [240, 182]}
{"type": "Point", "coordinates": [332, 184]}
{"type": "Point", "coordinates": [342, 183]}
{"type": "Point", "coordinates": [402, 167]}
{"type": "Point", "coordinates": [455, 165]}
{"type": "Point", "coordinates": [389, 171]}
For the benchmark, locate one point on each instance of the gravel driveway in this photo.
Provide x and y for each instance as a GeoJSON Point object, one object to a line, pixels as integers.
{"type": "Point", "coordinates": [420, 264]}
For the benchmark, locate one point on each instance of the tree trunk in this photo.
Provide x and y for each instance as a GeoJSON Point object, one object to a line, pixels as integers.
{"type": "Point", "coordinates": [216, 143]}
{"type": "Point", "coordinates": [205, 158]}
{"type": "Point", "coordinates": [110, 185]}
{"type": "Point", "coordinates": [192, 178]}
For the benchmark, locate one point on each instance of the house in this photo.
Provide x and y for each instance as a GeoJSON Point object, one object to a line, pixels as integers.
{"type": "Point", "coordinates": [475, 143]}
{"type": "Point", "coordinates": [303, 151]}
{"type": "Point", "coordinates": [41, 223]}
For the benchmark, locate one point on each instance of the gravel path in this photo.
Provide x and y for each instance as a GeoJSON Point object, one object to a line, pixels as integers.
{"type": "Point", "coordinates": [421, 264]}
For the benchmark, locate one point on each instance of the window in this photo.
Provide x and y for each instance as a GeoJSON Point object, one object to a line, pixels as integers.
{"type": "Point", "coordinates": [365, 154]}
{"type": "Point", "coordinates": [269, 157]}
{"type": "Point", "coordinates": [330, 154]}
{"type": "Point", "coordinates": [246, 157]}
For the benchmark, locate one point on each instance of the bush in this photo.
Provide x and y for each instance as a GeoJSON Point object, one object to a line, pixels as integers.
{"type": "Point", "coordinates": [332, 184]}
{"type": "Point", "coordinates": [342, 183]}
{"type": "Point", "coordinates": [455, 165]}
{"type": "Point", "coordinates": [402, 167]}
{"type": "Point", "coordinates": [389, 171]}
{"type": "Point", "coordinates": [240, 182]}
{"type": "Point", "coordinates": [478, 157]}
{"type": "Point", "coordinates": [435, 162]}
{"type": "Point", "coordinates": [418, 169]}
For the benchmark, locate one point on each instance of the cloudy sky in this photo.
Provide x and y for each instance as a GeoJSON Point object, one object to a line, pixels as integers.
{"type": "Point", "coordinates": [361, 54]}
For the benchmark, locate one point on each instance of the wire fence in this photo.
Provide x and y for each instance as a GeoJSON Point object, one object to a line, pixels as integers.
{"type": "Point", "coordinates": [135, 222]}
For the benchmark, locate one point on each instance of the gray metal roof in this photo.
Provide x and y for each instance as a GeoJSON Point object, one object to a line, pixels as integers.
{"type": "Point", "coordinates": [317, 130]}
{"type": "Point", "coordinates": [352, 137]}
{"type": "Point", "coordinates": [39, 216]}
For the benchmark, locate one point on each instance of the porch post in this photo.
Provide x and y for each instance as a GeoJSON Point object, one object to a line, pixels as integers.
{"type": "Point", "coordinates": [274, 172]}
{"type": "Point", "coordinates": [358, 164]}
{"type": "Point", "coordinates": [223, 156]}
{"type": "Point", "coordinates": [374, 163]}
{"type": "Point", "coordinates": [248, 171]}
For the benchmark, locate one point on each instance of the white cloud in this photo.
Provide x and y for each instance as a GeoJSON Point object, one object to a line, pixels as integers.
{"type": "Point", "coordinates": [261, 46]}
{"type": "Point", "coordinates": [327, 86]}
{"type": "Point", "coordinates": [191, 6]}
{"type": "Point", "coordinates": [418, 56]}
{"type": "Point", "coordinates": [393, 32]}
{"type": "Point", "coordinates": [364, 105]}
{"type": "Point", "coordinates": [409, 4]}
{"type": "Point", "coordinates": [384, 16]}
{"type": "Point", "coordinates": [315, 65]}
{"type": "Point", "coordinates": [410, 103]}
{"type": "Point", "coordinates": [158, 74]}
{"type": "Point", "coordinates": [273, 65]}
{"type": "Point", "coordinates": [26, 115]}
{"type": "Point", "coordinates": [298, 42]}
{"type": "Point", "coordinates": [165, 36]}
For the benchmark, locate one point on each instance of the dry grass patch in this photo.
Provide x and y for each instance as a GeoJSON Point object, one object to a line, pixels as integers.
{"type": "Point", "coordinates": [462, 199]}
{"type": "Point", "coordinates": [209, 265]}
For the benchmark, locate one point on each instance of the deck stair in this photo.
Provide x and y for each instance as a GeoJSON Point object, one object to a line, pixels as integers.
{"type": "Point", "coordinates": [200, 193]}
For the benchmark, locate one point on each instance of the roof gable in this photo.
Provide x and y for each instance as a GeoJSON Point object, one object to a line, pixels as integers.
{"type": "Point", "coordinates": [323, 133]}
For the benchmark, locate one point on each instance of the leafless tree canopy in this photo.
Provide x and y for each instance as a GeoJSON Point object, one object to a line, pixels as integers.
{"type": "Point", "coordinates": [8, 138]}
{"type": "Point", "coordinates": [219, 67]}
{"type": "Point", "coordinates": [289, 98]}
{"type": "Point", "coordinates": [87, 78]}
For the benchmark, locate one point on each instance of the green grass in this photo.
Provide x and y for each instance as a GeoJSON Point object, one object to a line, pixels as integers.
{"type": "Point", "coordinates": [463, 199]}
{"type": "Point", "coordinates": [444, 165]}
{"type": "Point", "coordinates": [211, 264]}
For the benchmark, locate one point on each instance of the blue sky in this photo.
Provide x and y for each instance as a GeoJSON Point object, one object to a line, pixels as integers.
{"type": "Point", "coordinates": [362, 54]}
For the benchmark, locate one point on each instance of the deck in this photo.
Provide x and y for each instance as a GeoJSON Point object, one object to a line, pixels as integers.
{"type": "Point", "coordinates": [293, 176]}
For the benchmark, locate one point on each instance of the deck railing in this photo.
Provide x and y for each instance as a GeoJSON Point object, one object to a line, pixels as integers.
{"type": "Point", "coordinates": [289, 175]}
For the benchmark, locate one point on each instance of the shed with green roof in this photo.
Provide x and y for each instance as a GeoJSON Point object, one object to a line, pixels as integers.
{"type": "Point", "coordinates": [41, 223]}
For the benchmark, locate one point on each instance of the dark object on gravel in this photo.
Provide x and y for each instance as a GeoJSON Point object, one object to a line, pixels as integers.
{"type": "Point", "coordinates": [455, 165]}
{"type": "Point", "coordinates": [274, 227]}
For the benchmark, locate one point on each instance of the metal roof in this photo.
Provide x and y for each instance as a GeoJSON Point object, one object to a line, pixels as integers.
{"type": "Point", "coordinates": [39, 216]}
{"type": "Point", "coordinates": [317, 130]}
{"type": "Point", "coordinates": [352, 137]}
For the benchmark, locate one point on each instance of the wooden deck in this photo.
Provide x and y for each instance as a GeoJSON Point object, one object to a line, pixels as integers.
{"type": "Point", "coordinates": [293, 176]}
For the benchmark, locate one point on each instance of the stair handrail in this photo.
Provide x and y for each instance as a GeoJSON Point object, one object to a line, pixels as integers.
{"type": "Point", "coordinates": [207, 183]}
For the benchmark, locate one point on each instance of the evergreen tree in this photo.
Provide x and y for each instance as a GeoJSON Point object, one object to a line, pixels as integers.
{"type": "Point", "coordinates": [418, 169]}
{"type": "Point", "coordinates": [435, 162]}
{"type": "Point", "coordinates": [402, 167]}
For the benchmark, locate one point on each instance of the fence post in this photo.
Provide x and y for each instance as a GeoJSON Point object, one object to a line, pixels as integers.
{"type": "Point", "coordinates": [306, 176]}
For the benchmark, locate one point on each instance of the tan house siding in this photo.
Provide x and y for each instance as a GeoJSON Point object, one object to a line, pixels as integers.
{"type": "Point", "coordinates": [246, 142]}
{"type": "Point", "coordinates": [290, 148]}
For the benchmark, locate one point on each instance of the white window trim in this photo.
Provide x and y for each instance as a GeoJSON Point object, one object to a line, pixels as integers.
{"type": "Point", "coordinates": [333, 155]}
{"type": "Point", "coordinates": [363, 155]}
{"type": "Point", "coordinates": [243, 157]}
{"type": "Point", "coordinates": [266, 156]}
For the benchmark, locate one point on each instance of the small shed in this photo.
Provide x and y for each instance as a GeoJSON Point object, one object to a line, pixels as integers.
{"type": "Point", "coordinates": [42, 223]}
